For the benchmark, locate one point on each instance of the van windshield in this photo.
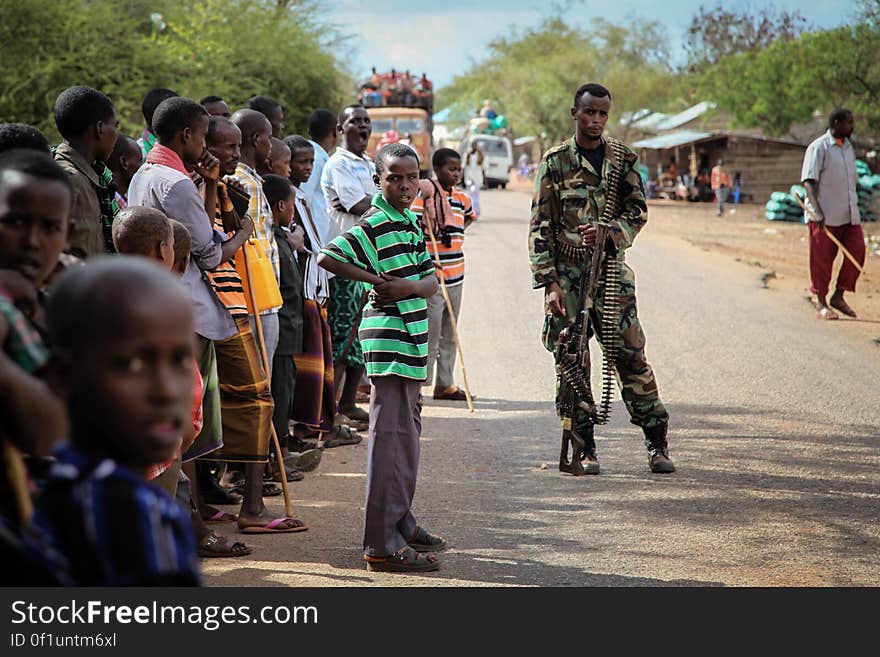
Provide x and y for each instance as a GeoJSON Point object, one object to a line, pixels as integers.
{"type": "Point", "coordinates": [492, 147]}
{"type": "Point", "coordinates": [410, 125]}
{"type": "Point", "coordinates": [381, 126]}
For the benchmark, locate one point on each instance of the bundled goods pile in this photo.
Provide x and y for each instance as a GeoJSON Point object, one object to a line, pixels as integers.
{"type": "Point", "coordinates": [782, 206]}
{"type": "Point", "coordinates": [868, 189]}
{"type": "Point", "coordinates": [485, 126]}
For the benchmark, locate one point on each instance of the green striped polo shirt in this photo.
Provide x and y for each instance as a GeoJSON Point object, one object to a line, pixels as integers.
{"type": "Point", "coordinates": [394, 337]}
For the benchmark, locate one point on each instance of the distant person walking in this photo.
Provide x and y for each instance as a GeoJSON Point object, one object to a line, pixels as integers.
{"type": "Point", "coordinates": [721, 183]}
{"type": "Point", "coordinates": [473, 175]}
{"type": "Point", "coordinates": [829, 176]}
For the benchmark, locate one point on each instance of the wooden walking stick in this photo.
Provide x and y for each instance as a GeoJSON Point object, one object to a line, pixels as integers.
{"type": "Point", "coordinates": [288, 510]}
{"type": "Point", "coordinates": [831, 236]}
{"type": "Point", "coordinates": [17, 477]}
{"type": "Point", "coordinates": [467, 390]}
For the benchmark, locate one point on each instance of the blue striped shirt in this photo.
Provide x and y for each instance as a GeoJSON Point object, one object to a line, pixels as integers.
{"type": "Point", "coordinates": [113, 527]}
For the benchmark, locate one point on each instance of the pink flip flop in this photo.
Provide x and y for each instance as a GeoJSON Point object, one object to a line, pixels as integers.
{"type": "Point", "coordinates": [221, 516]}
{"type": "Point", "coordinates": [271, 527]}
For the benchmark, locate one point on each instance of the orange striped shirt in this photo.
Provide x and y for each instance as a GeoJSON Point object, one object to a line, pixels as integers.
{"type": "Point", "coordinates": [452, 256]}
{"type": "Point", "coordinates": [226, 281]}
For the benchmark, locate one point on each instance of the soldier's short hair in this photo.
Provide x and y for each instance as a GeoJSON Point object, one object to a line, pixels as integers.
{"type": "Point", "coordinates": [595, 90]}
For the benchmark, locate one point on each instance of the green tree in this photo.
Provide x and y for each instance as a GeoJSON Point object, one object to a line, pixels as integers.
{"type": "Point", "coordinates": [717, 33]}
{"type": "Point", "coordinates": [239, 48]}
{"type": "Point", "coordinates": [532, 74]}
{"type": "Point", "coordinates": [234, 48]}
{"type": "Point", "coordinates": [785, 83]}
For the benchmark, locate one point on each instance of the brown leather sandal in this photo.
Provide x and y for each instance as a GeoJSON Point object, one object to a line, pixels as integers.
{"type": "Point", "coordinates": [424, 541]}
{"type": "Point", "coordinates": [405, 560]}
{"type": "Point", "coordinates": [453, 393]}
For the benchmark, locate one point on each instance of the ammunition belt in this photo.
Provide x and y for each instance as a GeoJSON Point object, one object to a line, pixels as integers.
{"type": "Point", "coordinates": [569, 253]}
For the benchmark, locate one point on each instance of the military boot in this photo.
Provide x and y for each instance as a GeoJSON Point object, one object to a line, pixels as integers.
{"type": "Point", "coordinates": [658, 450]}
{"type": "Point", "coordinates": [589, 460]}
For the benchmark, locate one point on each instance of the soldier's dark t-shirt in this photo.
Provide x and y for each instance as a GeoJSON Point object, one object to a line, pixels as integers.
{"type": "Point", "coordinates": [594, 156]}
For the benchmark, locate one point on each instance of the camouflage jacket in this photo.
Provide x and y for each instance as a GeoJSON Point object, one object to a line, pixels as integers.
{"type": "Point", "coordinates": [569, 192]}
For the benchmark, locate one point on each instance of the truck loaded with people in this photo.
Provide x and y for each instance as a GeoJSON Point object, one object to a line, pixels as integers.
{"type": "Point", "coordinates": [400, 106]}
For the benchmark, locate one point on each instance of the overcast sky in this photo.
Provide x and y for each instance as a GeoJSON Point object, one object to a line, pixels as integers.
{"type": "Point", "coordinates": [444, 38]}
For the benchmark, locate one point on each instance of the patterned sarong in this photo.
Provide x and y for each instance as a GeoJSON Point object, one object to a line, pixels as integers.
{"type": "Point", "coordinates": [314, 403]}
{"type": "Point", "coordinates": [346, 302]}
{"type": "Point", "coordinates": [245, 398]}
{"type": "Point", "coordinates": [210, 437]}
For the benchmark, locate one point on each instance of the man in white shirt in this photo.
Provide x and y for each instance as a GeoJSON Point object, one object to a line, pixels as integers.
{"type": "Point", "coordinates": [829, 176]}
{"type": "Point", "coordinates": [348, 185]}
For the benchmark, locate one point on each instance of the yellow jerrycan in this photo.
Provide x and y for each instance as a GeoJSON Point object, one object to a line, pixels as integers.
{"type": "Point", "coordinates": [262, 277]}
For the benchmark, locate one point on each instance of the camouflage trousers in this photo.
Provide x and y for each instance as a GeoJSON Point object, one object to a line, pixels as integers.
{"type": "Point", "coordinates": [638, 387]}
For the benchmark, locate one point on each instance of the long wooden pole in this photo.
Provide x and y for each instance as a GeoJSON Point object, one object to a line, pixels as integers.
{"type": "Point", "coordinates": [288, 509]}
{"type": "Point", "coordinates": [831, 236]}
{"type": "Point", "coordinates": [467, 390]}
{"type": "Point", "coordinates": [17, 477]}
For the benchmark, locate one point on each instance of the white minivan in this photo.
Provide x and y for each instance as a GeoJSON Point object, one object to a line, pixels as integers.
{"type": "Point", "coordinates": [497, 157]}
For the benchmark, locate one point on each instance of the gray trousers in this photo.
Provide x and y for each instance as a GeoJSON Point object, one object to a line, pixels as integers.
{"type": "Point", "coordinates": [441, 336]}
{"type": "Point", "coordinates": [720, 199]}
{"type": "Point", "coordinates": [392, 464]}
{"type": "Point", "coordinates": [271, 330]}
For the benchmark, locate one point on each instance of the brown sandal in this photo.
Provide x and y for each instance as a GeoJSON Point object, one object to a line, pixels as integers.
{"type": "Point", "coordinates": [212, 546]}
{"type": "Point", "coordinates": [453, 393]}
{"type": "Point", "coordinates": [424, 541]}
{"type": "Point", "coordinates": [405, 560]}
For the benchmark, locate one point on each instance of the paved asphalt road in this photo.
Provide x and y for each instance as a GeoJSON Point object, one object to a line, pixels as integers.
{"type": "Point", "coordinates": [774, 430]}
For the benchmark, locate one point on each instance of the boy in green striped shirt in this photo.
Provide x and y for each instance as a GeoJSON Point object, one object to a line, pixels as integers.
{"type": "Point", "coordinates": [386, 251]}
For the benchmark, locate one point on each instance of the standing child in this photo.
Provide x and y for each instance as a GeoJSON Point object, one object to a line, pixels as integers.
{"type": "Point", "coordinates": [87, 121]}
{"type": "Point", "coordinates": [385, 249]}
{"type": "Point", "coordinates": [315, 405]}
{"type": "Point", "coordinates": [278, 161]}
{"type": "Point", "coordinates": [473, 174]}
{"type": "Point", "coordinates": [149, 233]}
{"type": "Point", "coordinates": [35, 198]}
{"type": "Point", "coordinates": [279, 192]}
{"type": "Point", "coordinates": [441, 332]}
{"type": "Point", "coordinates": [126, 373]}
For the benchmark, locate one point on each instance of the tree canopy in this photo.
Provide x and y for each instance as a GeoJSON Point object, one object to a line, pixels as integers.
{"type": "Point", "coordinates": [768, 69]}
{"type": "Point", "coordinates": [231, 48]}
{"type": "Point", "coordinates": [533, 73]}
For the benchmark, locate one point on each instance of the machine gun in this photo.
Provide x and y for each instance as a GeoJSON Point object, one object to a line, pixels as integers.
{"type": "Point", "coordinates": [573, 360]}
{"type": "Point", "coordinates": [601, 263]}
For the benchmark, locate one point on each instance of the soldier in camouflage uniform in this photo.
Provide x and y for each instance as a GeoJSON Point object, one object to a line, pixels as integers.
{"type": "Point", "coordinates": [569, 199]}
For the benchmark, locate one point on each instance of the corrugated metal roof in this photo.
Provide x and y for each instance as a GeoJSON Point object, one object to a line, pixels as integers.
{"type": "Point", "coordinates": [649, 123]}
{"type": "Point", "coordinates": [672, 139]}
{"type": "Point", "coordinates": [686, 116]}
